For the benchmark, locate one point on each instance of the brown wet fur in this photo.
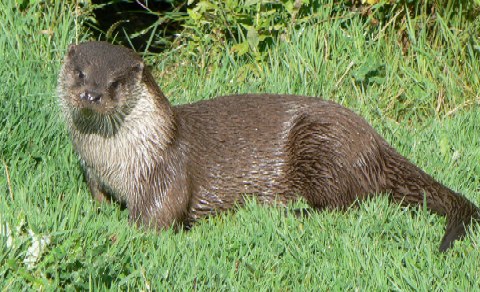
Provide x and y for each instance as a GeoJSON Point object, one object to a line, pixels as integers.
{"type": "Point", "coordinates": [174, 165]}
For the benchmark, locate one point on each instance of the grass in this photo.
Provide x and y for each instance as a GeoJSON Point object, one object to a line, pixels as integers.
{"type": "Point", "coordinates": [422, 102]}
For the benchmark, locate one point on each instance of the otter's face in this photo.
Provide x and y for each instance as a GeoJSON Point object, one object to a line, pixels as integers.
{"type": "Point", "coordinates": [99, 84]}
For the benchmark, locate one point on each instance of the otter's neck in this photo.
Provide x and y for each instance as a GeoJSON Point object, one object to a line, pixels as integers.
{"type": "Point", "coordinates": [152, 120]}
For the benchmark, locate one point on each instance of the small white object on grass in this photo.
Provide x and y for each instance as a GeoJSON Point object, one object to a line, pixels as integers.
{"type": "Point", "coordinates": [36, 249]}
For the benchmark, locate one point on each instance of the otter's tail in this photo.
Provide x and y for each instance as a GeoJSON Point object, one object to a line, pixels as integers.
{"type": "Point", "coordinates": [409, 185]}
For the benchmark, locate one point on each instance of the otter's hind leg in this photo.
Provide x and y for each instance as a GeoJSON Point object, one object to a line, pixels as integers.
{"type": "Point", "coordinates": [334, 161]}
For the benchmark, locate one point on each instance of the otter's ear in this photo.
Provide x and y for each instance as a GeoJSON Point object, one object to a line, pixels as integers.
{"type": "Point", "coordinates": [137, 68]}
{"type": "Point", "coordinates": [71, 50]}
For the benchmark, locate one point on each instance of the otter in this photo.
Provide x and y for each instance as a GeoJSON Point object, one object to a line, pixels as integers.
{"type": "Point", "coordinates": [171, 165]}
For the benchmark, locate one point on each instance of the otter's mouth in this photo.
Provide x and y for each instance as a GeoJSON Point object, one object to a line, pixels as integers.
{"type": "Point", "coordinates": [87, 113]}
{"type": "Point", "coordinates": [97, 117]}
{"type": "Point", "coordinates": [96, 112]}
{"type": "Point", "coordinates": [90, 121]}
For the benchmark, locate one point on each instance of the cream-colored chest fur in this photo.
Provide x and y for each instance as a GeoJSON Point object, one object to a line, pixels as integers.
{"type": "Point", "coordinates": [122, 160]}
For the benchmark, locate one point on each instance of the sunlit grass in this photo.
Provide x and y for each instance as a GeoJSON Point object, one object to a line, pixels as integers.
{"type": "Point", "coordinates": [423, 102]}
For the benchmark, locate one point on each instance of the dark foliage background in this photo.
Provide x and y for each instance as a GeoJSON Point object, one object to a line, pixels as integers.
{"type": "Point", "coordinates": [249, 27]}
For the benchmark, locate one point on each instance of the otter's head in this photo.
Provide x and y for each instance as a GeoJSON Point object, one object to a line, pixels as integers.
{"type": "Point", "coordinates": [98, 85]}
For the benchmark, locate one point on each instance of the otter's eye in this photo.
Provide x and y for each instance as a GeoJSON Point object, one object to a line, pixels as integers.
{"type": "Point", "coordinates": [80, 74]}
{"type": "Point", "coordinates": [115, 84]}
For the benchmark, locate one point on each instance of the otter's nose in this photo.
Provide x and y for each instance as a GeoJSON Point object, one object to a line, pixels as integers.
{"type": "Point", "coordinates": [90, 96]}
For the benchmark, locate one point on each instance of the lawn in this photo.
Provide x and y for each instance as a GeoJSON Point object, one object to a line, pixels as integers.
{"type": "Point", "coordinates": [423, 101]}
